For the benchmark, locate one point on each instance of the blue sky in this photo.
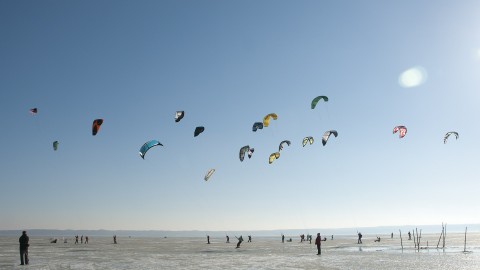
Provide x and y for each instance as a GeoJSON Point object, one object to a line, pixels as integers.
{"type": "Point", "coordinates": [227, 64]}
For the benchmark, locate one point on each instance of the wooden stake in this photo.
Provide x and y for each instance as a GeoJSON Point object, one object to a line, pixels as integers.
{"type": "Point", "coordinates": [414, 239]}
{"type": "Point", "coordinates": [465, 243]}
{"type": "Point", "coordinates": [444, 236]}
{"type": "Point", "coordinates": [419, 238]}
{"type": "Point", "coordinates": [401, 240]}
{"type": "Point", "coordinates": [440, 238]}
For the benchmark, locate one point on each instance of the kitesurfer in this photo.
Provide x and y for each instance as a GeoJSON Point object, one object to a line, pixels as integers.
{"type": "Point", "coordinates": [23, 240]}
{"type": "Point", "coordinates": [359, 238]}
{"type": "Point", "coordinates": [228, 239]}
{"type": "Point", "coordinates": [249, 238]}
{"type": "Point", "coordinates": [283, 238]}
{"type": "Point", "coordinates": [378, 239]}
{"type": "Point", "coordinates": [208, 239]}
{"type": "Point", "coordinates": [114, 239]}
{"type": "Point", "coordinates": [240, 240]}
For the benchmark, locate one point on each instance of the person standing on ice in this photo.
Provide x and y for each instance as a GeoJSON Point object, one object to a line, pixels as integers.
{"type": "Point", "coordinates": [23, 240]}
{"type": "Point", "coordinates": [228, 239]}
{"type": "Point", "coordinates": [208, 239]}
{"type": "Point", "coordinates": [359, 238]}
{"type": "Point", "coordinates": [318, 242]}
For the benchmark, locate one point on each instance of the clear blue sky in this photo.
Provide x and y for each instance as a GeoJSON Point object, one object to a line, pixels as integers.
{"type": "Point", "coordinates": [227, 64]}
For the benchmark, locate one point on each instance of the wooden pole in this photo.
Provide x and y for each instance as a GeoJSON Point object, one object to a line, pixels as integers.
{"type": "Point", "coordinates": [419, 238]}
{"type": "Point", "coordinates": [401, 240]}
{"type": "Point", "coordinates": [414, 239]}
{"type": "Point", "coordinates": [465, 243]}
{"type": "Point", "coordinates": [440, 238]}
{"type": "Point", "coordinates": [444, 235]}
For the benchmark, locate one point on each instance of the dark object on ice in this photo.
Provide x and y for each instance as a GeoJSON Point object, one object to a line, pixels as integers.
{"type": "Point", "coordinates": [54, 241]}
{"type": "Point", "coordinates": [318, 242]}
{"type": "Point", "coordinates": [240, 240]}
{"type": "Point", "coordinates": [23, 240]}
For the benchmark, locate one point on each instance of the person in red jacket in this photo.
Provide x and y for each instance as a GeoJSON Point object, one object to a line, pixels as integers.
{"type": "Point", "coordinates": [318, 242]}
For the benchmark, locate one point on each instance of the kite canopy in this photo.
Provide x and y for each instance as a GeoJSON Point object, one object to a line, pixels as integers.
{"type": "Point", "coordinates": [246, 149]}
{"type": "Point", "coordinates": [198, 130]}
{"type": "Point", "coordinates": [266, 119]}
{"type": "Point", "coordinates": [448, 135]}
{"type": "Point", "coordinates": [280, 147]}
{"type": "Point", "coordinates": [317, 99]}
{"type": "Point", "coordinates": [402, 129]}
{"type": "Point", "coordinates": [257, 125]}
{"type": "Point", "coordinates": [96, 126]}
{"type": "Point", "coordinates": [179, 115]}
{"type": "Point", "coordinates": [307, 140]}
{"type": "Point", "coordinates": [55, 145]}
{"type": "Point", "coordinates": [209, 173]}
{"type": "Point", "coordinates": [145, 147]}
{"type": "Point", "coordinates": [327, 134]}
{"type": "Point", "coordinates": [273, 156]}
{"type": "Point", "coordinates": [33, 111]}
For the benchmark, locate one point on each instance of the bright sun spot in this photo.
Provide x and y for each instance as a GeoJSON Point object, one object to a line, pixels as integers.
{"type": "Point", "coordinates": [413, 77]}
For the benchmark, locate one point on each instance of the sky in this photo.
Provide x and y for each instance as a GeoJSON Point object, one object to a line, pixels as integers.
{"type": "Point", "coordinates": [227, 64]}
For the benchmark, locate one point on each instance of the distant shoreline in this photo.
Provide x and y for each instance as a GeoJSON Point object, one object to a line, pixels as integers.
{"type": "Point", "coordinates": [454, 228]}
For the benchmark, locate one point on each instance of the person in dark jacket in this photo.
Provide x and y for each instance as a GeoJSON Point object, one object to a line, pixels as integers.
{"type": "Point", "coordinates": [318, 242]}
{"type": "Point", "coordinates": [23, 240]}
{"type": "Point", "coordinates": [240, 240]}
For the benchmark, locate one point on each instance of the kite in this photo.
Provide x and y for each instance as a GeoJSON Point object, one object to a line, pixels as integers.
{"type": "Point", "coordinates": [402, 129]}
{"type": "Point", "coordinates": [306, 140]}
{"type": "Point", "coordinates": [33, 111]}
{"type": "Point", "coordinates": [266, 119]}
{"type": "Point", "coordinates": [327, 134]}
{"type": "Point", "coordinates": [273, 156]}
{"type": "Point", "coordinates": [209, 173]}
{"type": "Point", "coordinates": [257, 125]}
{"type": "Point", "coordinates": [448, 135]}
{"type": "Point", "coordinates": [198, 130]}
{"type": "Point", "coordinates": [96, 126]}
{"type": "Point", "coordinates": [250, 152]}
{"type": "Point", "coordinates": [280, 147]}
{"type": "Point", "coordinates": [145, 147]}
{"type": "Point", "coordinates": [55, 145]}
{"type": "Point", "coordinates": [317, 99]}
{"type": "Point", "coordinates": [179, 115]}
{"type": "Point", "coordinates": [246, 149]}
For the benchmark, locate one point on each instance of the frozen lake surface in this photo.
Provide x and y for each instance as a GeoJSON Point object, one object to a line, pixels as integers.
{"type": "Point", "coordinates": [261, 253]}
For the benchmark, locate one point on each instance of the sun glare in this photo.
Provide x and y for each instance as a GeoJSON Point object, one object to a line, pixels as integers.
{"type": "Point", "coordinates": [413, 77]}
